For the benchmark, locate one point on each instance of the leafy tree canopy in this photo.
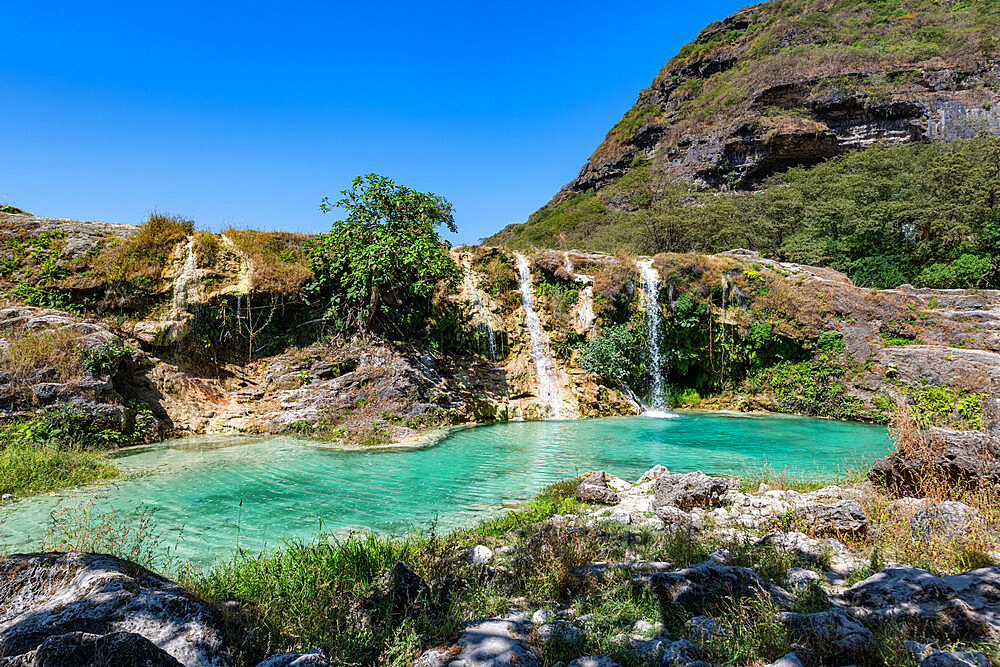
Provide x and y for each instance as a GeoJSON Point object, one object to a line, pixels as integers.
{"type": "Point", "coordinates": [377, 269]}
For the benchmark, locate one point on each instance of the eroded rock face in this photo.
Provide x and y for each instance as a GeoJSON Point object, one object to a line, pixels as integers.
{"type": "Point", "coordinates": [961, 605]}
{"type": "Point", "coordinates": [93, 605]}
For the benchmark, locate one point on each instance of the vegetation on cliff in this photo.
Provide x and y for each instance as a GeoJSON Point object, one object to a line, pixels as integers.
{"type": "Point", "coordinates": [924, 214]}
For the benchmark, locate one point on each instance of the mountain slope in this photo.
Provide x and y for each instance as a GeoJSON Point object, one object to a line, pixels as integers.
{"type": "Point", "coordinates": [782, 84]}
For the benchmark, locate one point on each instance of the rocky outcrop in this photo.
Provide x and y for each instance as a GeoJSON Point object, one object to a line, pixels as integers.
{"type": "Point", "coordinates": [961, 605]}
{"type": "Point", "coordinates": [94, 605]}
{"type": "Point", "coordinates": [782, 111]}
{"type": "Point", "coordinates": [954, 457]}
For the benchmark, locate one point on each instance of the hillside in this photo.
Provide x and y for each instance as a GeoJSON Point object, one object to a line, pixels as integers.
{"type": "Point", "coordinates": [782, 85]}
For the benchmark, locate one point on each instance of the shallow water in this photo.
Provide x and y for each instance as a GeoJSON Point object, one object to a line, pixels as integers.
{"type": "Point", "coordinates": [207, 492]}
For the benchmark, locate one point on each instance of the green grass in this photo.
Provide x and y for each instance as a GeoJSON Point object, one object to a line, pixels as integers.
{"type": "Point", "coordinates": [27, 469]}
{"type": "Point", "coordinates": [58, 447]}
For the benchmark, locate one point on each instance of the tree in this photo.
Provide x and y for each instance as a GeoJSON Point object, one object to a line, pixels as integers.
{"type": "Point", "coordinates": [377, 270]}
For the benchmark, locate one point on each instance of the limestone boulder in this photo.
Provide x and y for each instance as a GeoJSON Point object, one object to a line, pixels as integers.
{"type": "Point", "coordinates": [961, 605]}
{"type": "Point", "coordinates": [594, 489]}
{"type": "Point", "coordinates": [690, 490]}
{"type": "Point", "coordinates": [846, 517]}
{"type": "Point", "coordinates": [94, 605]}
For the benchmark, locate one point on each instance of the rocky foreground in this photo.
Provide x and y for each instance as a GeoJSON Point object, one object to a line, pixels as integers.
{"type": "Point", "coordinates": [800, 561]}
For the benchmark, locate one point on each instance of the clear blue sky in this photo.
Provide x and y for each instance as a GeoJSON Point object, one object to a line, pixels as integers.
{"type": "Point", "coordinates": [249, 113]}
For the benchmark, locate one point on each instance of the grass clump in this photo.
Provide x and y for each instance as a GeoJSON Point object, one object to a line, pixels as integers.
{"type": "Point", "coordinates": [278, 259]}
{"type": "Point", "coordinates": [57, 353]}
{"type": "Point", "coordinates": [55, 448]}
{"type": "Point", "coordinates": [142, 257]}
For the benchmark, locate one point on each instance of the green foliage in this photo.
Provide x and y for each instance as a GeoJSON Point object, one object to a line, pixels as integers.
{"type": "Point", "coordinates": [105, 359]}
{"type": "Point", "coordinates": [935, 405]}
{"type": "Point", "coordinates": [809, 388]}
{"type": "Point", "coordinates": [615, 354]}
{"type": "Point", "coordinates": [376, 271]}
{"type": "Point", "coordinates": [920, 213]}
{"type": "Point", "coordinates": [7, 208]}
{"type": "Point", "coordinates": [57, 447]}
{"type": "Point", "coordinates": [33, 294]}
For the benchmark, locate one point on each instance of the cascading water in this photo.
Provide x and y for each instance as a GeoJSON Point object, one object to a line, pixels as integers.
{"type": "Point", "coordinates": [654, 331]}
{"type": "Point", "coordinates": [584, 309]}
{"type": "Point", "coordinates": [548, 381]}
{"type": "Point", "coordinates": [470, 284]}
{"type": "Point", "coordinates": [186, 282]}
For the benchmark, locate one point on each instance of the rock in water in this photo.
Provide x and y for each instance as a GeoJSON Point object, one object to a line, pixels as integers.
{"type": "Point", "coordinates": [94, 605]}
{"type": "Point", "coordinates": [694, 489]}
{"type": "Point", "coordinates": [594, 489]}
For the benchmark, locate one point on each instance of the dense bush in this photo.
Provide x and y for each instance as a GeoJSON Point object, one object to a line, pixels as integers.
{"type": "Point", "coordinates": [376, 271]}
{"type": "Point", "coordinates": [615, 355]}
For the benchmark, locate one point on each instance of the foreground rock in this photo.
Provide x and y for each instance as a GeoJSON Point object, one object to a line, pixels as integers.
{"type": "Point", "coordinates": [494, 642]}
{"type": "Point", "coordinates": [594, 489]}
{"type": "Point", "coordinates": [961, 605]}
{"type": "Point", "coordinates": [93, 610]}
{"type": "Point", "coordinates": [694, 489]}
{"type": "Point", "coordinates": [954, 457]}
{"type": "Point", "coordinates": [95, 605]}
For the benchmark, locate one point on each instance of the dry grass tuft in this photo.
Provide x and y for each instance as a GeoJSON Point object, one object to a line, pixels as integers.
{"type": "Point", "coordinates": [56, 354]}
{"type": "Point", "coordinates": [280, 261]}
{"type": "Point", "coordinates": [144, 255]}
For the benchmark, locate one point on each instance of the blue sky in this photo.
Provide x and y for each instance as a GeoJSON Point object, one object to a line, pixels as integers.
{"type": "Point", "coordinates": [249, 113]}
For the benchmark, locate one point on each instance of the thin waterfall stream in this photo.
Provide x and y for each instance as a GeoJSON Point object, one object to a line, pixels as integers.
{"type": "Point", "coordinates": [186, 281]}
{"type": "Point", "coordinates": [584, 309]}
{"type": "Point", "coordinates": [484, 314]}
{"type": "Point", "coordinates": [541, 353]}
{"type": "Point", "coordinates": [654, 331]}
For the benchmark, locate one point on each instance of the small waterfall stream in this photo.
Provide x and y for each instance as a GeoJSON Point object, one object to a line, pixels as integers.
{"type": "Point", "coordinates": [654, 331]}
{"type": "Point", "coordinates": [186, 282]}
{"type": "Point", "coordinates": [470, 284]}
{"type": "Point", "coordinates": [541, 354]}
{"type": "Point", "coordinates": [584, 309]}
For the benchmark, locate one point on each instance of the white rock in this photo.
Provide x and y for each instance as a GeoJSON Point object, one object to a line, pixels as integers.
{"type": "Point", "coordinates": [480, 555]}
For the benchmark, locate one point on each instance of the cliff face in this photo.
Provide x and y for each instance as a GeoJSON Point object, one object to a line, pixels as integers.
{"type": "Point", "coordinates": [213, 345]}
{"type": "Point", "coordinates": [792, 82]}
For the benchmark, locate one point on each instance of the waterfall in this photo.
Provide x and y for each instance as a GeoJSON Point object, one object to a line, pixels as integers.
{"type": "Point", "coordinates": [186, 282]}
{"type": "Point", "coordinates": [584, 309]}
{"type": "Point", "coordinates": [654, 330]}
{"type": "Point", "coordinates": [470, 284]}
{"type": "Point", "coordinates": [548, 382]}
{"type": "Point", "coordinates": [722, 321]}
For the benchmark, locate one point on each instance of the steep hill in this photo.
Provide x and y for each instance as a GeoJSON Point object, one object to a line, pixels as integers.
{"type": "Point", "coordinates": [780, 84]}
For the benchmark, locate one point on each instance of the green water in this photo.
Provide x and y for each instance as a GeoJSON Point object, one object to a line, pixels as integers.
{"type": "Point", "coordinates": [207, 492]}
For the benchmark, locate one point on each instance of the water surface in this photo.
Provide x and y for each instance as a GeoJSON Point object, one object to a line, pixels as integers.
{"type": "Point", "coordinates": [208, 492]}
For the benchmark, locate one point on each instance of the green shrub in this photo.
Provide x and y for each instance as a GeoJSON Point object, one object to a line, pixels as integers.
{"type": "Point", "coordinates": [614, 354]}
{"type": "Point", "coordinates": [967, 271]}
{"type": "Point", "coordinates": [105, 359]}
